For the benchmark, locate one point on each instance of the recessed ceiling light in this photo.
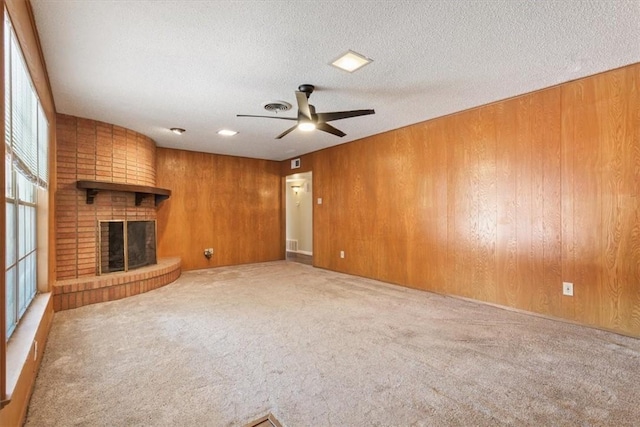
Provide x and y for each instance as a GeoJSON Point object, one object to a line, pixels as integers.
{"type": "Point", "coordinates": [306, 126]}
{"type": "Point", "coordinates": [178, 131]}
{"type": "Point", "coordinates": [351, 61]}
{"type": "Point", "coordinates": [227, 132]}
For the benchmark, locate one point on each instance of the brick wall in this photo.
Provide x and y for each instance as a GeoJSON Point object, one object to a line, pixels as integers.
{"type": "Point", "coordinates": [91, 150]}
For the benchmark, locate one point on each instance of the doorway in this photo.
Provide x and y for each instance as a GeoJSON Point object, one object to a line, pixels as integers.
{"type": "Point", "coordinates": [299, 218]}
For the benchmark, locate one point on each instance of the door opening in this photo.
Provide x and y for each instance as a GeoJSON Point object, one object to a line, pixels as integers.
{"type": "Point", "coordinates": [299, 218]}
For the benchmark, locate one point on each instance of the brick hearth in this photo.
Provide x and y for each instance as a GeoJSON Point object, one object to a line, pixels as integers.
{"type": "Point", "coordinates": [74, 293]}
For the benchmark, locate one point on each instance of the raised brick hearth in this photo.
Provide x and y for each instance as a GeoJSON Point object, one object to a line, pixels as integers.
{"type": "Point", "coordinates": [74, 293]}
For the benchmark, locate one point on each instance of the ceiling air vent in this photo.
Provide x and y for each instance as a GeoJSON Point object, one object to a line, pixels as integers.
{"type": "Point", "coordinates": [276, 106]}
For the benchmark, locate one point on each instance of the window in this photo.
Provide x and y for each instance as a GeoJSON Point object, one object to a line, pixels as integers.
{"type": "Point", "coordinates": [26, 160]}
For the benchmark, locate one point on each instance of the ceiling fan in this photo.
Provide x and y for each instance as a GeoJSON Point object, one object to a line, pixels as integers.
{"type": "Point", "coordinates": [309, 120]}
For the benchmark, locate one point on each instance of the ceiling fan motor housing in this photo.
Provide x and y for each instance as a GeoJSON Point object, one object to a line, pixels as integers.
{"type": "Point", "coordinates": [307, 89]}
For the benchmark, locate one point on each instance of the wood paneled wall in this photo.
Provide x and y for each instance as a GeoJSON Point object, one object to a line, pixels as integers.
{"type": "Point", "coordinates": [230, 204]}
{"type": "Point", "coordinates": [501, 203]}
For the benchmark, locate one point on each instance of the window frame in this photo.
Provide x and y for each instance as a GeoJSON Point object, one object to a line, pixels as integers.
{"type": "Point", "coordinates": [26, 141]}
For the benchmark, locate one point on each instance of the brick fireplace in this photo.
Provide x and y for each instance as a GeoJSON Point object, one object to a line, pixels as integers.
{"type": "Point", "coordinates": [97, 151]}
{"type": "Point", "coordinates": [91, 150]}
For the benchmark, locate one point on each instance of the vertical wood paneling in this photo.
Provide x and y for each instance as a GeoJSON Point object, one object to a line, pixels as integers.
{"type": "Point", "coordinates": [455, 215]}
{"type": "Point", "coordinates": [428, 233]}
{"type": "Point", "coordinates": [468, 124]}
{"type": "Point", "coordinates": [601, 122]}
{"type": "Point", "coordinates": [439, 238]}
{"type": "Point", "coordinates": [618, 109]}
{"type": "Point", "coordinates": [524, 205]}
{"type": "Point", "coordinates": [463, 202]}
{"type": "Point", "coordinates": [629, 250]}
{"type": "Point", "coordinates": [229, 203]}
{"type": "Point", "coordinates": [614, 148]}
{"type": "Point", "coordinates": [537, 301]}
{"type": "Point", "coordinates": [394, 192]}
{"type": "Point", "coordinates": [587, 202]}
{"type": "Point", "coordinates": [568, 135]}
{"type": "Point", "coordinates": [485, 268]}
{"type": "Point", "coordinates": [500, 203]}
{"type": "Point", "coordinates": [507, 156]}
{"type": "Point", "coordinates": [552, 203]}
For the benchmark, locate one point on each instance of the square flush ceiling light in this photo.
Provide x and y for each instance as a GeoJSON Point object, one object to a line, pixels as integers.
{"type": "Point", "coordinates": [351, 61]}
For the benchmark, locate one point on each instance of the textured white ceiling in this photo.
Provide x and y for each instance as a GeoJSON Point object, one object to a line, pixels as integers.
{"type": "Point", "coordinates": [152, 65]}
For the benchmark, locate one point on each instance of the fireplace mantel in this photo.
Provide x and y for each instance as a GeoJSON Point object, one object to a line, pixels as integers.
{"type": "Point", "coordinates": [141, 191]}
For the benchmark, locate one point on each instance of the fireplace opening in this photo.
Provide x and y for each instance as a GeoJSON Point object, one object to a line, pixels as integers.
{"type": "Point", "coordinates": [124, 251]}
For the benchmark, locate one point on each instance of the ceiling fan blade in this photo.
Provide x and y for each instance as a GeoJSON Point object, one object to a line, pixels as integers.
{"type": "Point", "coordinates": [267, 117]}
{"type": "Point", "coordinates": [286, 132]}
{"type": "Point", "coordinates": [330, 129]}
{"type": "Point", "coordinates": [303, 104]}
{"type": "Point", "coordinates": [338, 115]}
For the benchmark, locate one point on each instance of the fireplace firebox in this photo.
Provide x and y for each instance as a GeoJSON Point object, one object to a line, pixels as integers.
{"type": "Point", "coordinates": [126, 245]}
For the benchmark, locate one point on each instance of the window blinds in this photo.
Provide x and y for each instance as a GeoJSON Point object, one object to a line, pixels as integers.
{"type": "Point", "coordinates": [26, 127]}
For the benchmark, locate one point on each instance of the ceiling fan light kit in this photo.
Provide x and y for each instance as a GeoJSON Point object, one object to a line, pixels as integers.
{"type": "Point", "coordinates": [309, 120]}
{"type": "Point", "coordinates": [306, 126]}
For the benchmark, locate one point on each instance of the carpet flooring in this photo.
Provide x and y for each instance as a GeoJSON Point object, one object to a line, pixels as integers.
{"type": "Point", "coordinates": [222, 347]}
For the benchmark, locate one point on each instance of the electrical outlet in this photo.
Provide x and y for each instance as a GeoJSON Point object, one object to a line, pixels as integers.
{"type": "Point", "coordinates": [341, 254]}
{"type": "Point", "coordinates": [319, 200]}
{"type": "Point", "coordinates": [567, 289]}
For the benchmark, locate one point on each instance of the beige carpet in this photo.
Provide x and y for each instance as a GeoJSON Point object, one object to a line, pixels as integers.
{"type": "Point", "coordinates": [222, 347]}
